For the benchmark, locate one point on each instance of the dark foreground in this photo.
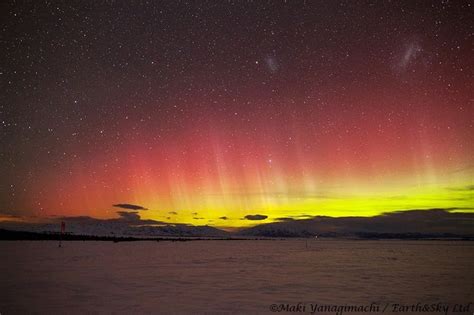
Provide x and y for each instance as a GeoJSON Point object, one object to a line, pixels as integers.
{"type": "Point", "coordinates": [234, 277]}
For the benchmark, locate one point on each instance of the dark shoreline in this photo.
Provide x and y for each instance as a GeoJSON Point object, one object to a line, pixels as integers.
{"type": "Point", "coordinates": [10, 235]}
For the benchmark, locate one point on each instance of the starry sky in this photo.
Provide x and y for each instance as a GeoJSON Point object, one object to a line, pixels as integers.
{"type": "Point", "coordinates": [232, 113]}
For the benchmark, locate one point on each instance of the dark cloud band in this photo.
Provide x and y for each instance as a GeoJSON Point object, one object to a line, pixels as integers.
{"type": "Point", "coordinates": [255, 217]}
{"type": "Point", "coordinates": [129, 206]}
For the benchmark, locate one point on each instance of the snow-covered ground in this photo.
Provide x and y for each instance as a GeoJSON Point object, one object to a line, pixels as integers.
{"type": "Point", "coordinates": [229, 276]}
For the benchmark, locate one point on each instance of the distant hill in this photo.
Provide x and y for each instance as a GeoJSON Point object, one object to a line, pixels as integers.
{"type": "Point", "coordinates": [413, 224]}
{"type": "Point", "coordinates": [178, 230]}
{"type": "Point", "coordinates": [116, 228]}
{"type": "Point", "coordinates": [434, 223]}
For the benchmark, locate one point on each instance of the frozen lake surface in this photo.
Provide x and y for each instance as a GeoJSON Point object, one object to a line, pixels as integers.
{"type": "Point", "coordinates": [229, 276]}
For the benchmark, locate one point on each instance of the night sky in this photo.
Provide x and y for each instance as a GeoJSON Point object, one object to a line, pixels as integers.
{"type": "Point", "coordinates": [232, 112]}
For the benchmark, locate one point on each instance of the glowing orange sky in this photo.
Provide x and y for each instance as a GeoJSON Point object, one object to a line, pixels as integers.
{"type": "Point", "coordinates": [279, 109]}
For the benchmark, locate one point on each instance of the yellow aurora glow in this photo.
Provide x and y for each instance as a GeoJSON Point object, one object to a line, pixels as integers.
{"type": "Point", "coordinates": [228, 210]}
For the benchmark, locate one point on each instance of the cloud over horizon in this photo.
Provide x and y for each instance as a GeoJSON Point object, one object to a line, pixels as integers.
{"type": "Point", "coordinates": [256, 217]}
{"type": "Point", "coordinates": [129, 206]}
